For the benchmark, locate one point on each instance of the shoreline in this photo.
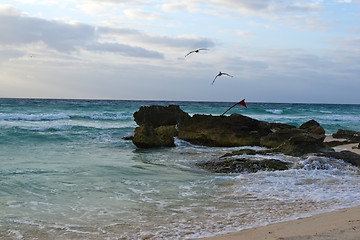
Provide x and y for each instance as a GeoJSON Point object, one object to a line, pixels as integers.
{"type": "Point", "coordinates": [337, 224]}
{"type": "Point", "coordinates": [341, 224]}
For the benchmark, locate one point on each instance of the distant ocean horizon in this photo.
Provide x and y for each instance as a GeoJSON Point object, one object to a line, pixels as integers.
{"type": "Point", "coordinates": [66, 173]}
{"type": "Point", "coordinates": [169, 100]}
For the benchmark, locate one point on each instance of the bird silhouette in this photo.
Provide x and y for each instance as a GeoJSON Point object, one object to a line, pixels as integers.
{"type": "Point", "coordinates": [196, 51]}
{"type": "Point", "coordinates": [220, 74]}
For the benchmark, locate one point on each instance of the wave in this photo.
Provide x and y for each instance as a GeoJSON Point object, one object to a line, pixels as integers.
{"type": "Point", "coordinates": [33, 117]}
{"type": "Point", "coordinates": [275, 111]}
{"type": "Point", "coordinates": [63, 116]}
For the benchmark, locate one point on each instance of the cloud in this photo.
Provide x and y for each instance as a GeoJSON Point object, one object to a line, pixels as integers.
{"type": "Point", "coordinates": [137, 13]}
{"type": "Point", "coordinates": [18, 30]}
{"type": "Point", "coordinates": [175, 7]}
{"type": "Point", "coordinates": [124, 49]}
{"type": "Point", "coordinates": [6, 54]}
{"type": "Point", "coordinates": [163, 41]}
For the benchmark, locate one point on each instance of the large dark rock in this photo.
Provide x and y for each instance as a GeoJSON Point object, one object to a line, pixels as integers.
{"type": "Point", "coordinates": [275, 139]}
{"type": "Point", "coordinates": [224, 131]}
{"type": "Point", "coordinates": [308, 138]}
{"type": "Point", "coordinates": [157, 116]}
{"type": "Point", "coordinates": [160, 124]}
{"type": "Point", "coordinates": [303, 143]}
{"type": "Point", "coordinates": [283, 134]}
{"type": "Point", "coordinates": [346, 156]}
{"type": "Point", "coordinates": [146, 136]}
{"type": "Point", "coordinates": [347, 134]}
{"type": "Point", "coordinates": [157, 125]}
{"type": "Point", "coordinates": [313, 127]}
{"type": "Point", "coordinates": [231, 165]}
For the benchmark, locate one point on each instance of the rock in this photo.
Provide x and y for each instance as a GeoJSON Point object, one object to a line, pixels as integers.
{"type": "Point", "coordinates": [338, 143]}
{"type": "Point", "coordinates": [302, 144]}
{"type": "Point", "coordinates": [275, 139]}
{"type": "Point", "coordinates": [127, 138]}
{"type": "Point", "coordinates": [239, 165]}
{"type": "Point", "coordinates": [222, 131]}
{"type": "Point", "coordinates": [156, 115]}
{"type": "Point", "coordinates": [283, 134]}
{"type": "Point", "coordinates": [146, 136]}
{"type": "Point", "coordinates": [313, 127]}
{"type": "Point", "coordinates": [346, 156]}
{"type": "Point", "coordinates": [240, 152]}
{"type": "Point", "coordinates": [347, 134]}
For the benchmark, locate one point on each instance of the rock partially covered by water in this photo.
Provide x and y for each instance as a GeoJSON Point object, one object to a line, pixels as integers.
{"type": "Point", "coordinates": [238, 165]}
{"type": "Point", "coordinates": [147, 136]}
{"type": "Point", "coordinates": [157, 125]}
{"type": "Point", "coordinates": [347, 134]}
{"type": "Point", "coordinates": [308, 138]}
{"type": "Point", "coordinates": [160, 124]}
{"type": "Point", "coordinates": [303, 143]}
{"type": "Point", "coordinates": [346, 156]}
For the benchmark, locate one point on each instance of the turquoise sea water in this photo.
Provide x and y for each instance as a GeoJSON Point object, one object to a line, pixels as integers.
{"type": "Point", "coordinates": [66, 173]}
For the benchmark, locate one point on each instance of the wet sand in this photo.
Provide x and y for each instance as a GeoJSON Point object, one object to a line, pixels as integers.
{"type": "Point", "coordinates": [350, 147]}
{"type": "Point", "coordinates": [337, 225]}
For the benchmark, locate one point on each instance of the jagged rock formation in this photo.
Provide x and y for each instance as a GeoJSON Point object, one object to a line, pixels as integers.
{"type": "Point", "coordinates": [244, 165]}
{"type": "Point", "coordinates": [160, 124]}
{"type": "Point", "coordinates": [157, 125]}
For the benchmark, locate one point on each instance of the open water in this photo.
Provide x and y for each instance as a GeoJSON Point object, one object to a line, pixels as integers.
{"type": "Point", "coordinates": [66, 173]}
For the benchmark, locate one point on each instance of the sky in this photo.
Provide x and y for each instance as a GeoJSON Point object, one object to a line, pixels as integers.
{"type": "Point", "coordinates": [291, 51]}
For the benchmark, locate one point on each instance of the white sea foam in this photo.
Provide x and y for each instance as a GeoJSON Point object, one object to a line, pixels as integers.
{"type": "Point", "coordinates": [275, 111]}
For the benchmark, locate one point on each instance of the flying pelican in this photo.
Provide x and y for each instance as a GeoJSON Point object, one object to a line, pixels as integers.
{"type": "Point", "coordinates": [196, 51]}
{"type": "Point", "coordinates": [219, 74]}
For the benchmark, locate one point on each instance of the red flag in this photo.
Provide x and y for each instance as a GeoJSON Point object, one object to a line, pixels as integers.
{"type": "Point", "coordinates": [242, 102]}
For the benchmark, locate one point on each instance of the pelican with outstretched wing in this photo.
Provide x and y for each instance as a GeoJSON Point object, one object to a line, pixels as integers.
{"type": "Point", "coordinates": [220, 74]}
{"type": "Point", "coordinates": [196, 51]}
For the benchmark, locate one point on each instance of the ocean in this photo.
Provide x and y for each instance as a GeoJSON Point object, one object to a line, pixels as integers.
{"type": "Point", "coordinates": [66, 173]}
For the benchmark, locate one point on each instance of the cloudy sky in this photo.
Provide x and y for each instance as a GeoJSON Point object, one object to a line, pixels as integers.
{"type": "Point", "coordinates": [305, 51]}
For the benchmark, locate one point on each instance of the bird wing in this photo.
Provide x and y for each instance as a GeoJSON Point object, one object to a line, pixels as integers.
{"type": "Point", "coordinates": [189, 53]}
{"type": "Point", "coordinates": [197, 50]}
{"type": "Point", "coordinates": [215, 79]}
{"type": "Point", "coordinates": [227, 74]}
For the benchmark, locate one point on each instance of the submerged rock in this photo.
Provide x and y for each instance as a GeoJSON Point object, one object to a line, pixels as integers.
{"type": "Point", "coordinates": [346, 156]}
{"type": "Point", "coordinates": [238, 165]}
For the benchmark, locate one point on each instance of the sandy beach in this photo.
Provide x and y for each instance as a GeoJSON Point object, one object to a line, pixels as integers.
{"type": "Point", "coordinates": [338, 225]}
{"type": "Point", "coordinates": [342, 224]}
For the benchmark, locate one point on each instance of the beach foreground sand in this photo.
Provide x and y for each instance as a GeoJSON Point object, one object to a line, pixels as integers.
{"type": "Point", "coordinates": [338, 225]}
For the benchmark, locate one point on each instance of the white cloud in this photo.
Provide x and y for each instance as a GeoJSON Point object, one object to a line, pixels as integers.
{"type": "Point", "coordinates": [137, 13]}
{"type": "Point", "coordinates": [124, 50]}
{"type": "Point", "coordinates": [175, 7]}
{"type": "Point", "coordinates": [20, 30]}
{"type": "Point", "coordinates": [157, 40]}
